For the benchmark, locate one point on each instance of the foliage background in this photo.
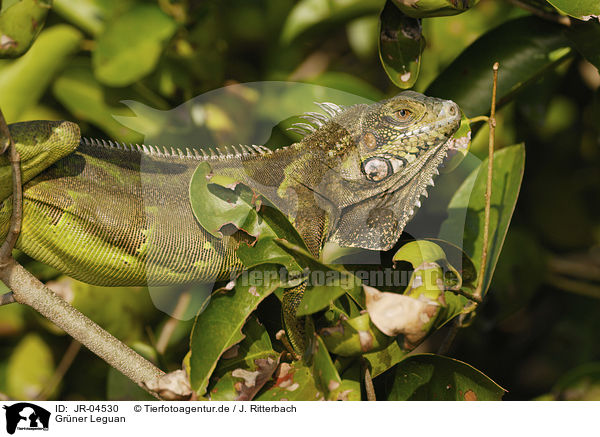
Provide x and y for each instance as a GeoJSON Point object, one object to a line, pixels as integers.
{"type": "Point", "coordinates": [537, 332]}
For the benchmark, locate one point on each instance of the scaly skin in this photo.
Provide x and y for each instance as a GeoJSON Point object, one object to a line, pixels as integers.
{"type": "Point", "coordinates": [113, 216]}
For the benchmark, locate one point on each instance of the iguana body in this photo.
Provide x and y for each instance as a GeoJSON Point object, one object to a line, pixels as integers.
{"type": "Point", "coordinates": [109, 214]}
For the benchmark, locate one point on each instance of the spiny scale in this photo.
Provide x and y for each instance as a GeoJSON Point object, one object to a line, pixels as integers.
{"type": "Point", "coordinates": [330, 108]}
{"type": "Point", "coordinates": [203, 154]}
{"type": "Point", "coordinates": [424, 193]}
{"type": "Point", "coordinates": [316, 118]}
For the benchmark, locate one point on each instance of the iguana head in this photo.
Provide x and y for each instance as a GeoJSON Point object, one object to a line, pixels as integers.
{"type": "Point", "coordinates": [381, 159]}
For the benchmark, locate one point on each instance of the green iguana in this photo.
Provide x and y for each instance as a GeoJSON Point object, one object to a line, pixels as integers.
{"type": "Point", "coordinates": [119, 215]}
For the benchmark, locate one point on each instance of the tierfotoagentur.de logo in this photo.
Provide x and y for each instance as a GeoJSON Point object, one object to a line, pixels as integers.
{"type": "Point", "coordinates": [26, 417]}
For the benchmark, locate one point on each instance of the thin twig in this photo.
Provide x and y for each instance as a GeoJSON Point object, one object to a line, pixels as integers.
{"type": "Point", "coordinates": [169, 328]}
{"type": "Point", "coordinates": [574, 286]}
{"type": "Point", "coordinates": [7, 298]}
{"type": "Point", "coordinates": [560, 19]}
{"type": "Point", "coordinates": [450, 336]}
{"type": "Point", "coordinates": [463, 293]}
{"type": "Point", "coordinates": [479, 118]}
{"type": "Point", "coordinates": [369, 388]}
{"type": "Point", "coordinates": [488, 190]}
{"type": "Point", "coordinates": [61, 369]}
{"type": "Point", "coordinates": [581, 269]}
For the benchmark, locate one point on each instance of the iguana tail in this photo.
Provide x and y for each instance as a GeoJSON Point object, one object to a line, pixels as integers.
{"type": "Point", "coordinates": [40, 144]}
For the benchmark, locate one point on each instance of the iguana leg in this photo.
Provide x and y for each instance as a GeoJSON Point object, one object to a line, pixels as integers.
{"type": "Point", "coordinates": [311, 223]}
{"type": "Point", "coordinates": [294, 325]}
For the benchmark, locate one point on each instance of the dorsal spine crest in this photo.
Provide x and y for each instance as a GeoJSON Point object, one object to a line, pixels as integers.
{"type": "Point", "coordinates": [198, 154]}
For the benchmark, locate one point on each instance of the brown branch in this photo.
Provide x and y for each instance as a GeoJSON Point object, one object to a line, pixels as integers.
{"type": "Point", "coordinates": [476, 298]}
{"type": "Point", "coordinates": [171, 324]}
{"type": "Point", "coordinates": [450, 336]}
{"type": "Point", "coordinates": [488, 190]}
{"type": "Point", "coordinates": [28, 290]}
{"type": "Point", "coordinates": [61, 369]}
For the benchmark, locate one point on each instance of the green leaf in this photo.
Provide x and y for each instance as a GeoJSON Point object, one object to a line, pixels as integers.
{"type": "Point", "coordinates": [362, 36]}
{"type": "Point", "coordinates": [328, 378]}
{"type": "Point", "coordinates": [326, 282]}
{"type": "Point", "coordinates": [130, 46]}
{"type": "Point", "coordinates": [90, 15]}
{"type": "Point", "coordinates": [455, 305]}
{"type": "Point", "coordinates": [280, 225]}
{"type": "Point", "coordinates": [21, 84]}
{"type": "Point", "coordinates": [579, 384]}
{"type": "Point", "coordinates": [293, 382]}
{"type": "Point", "coordinates": [401, 43]}
{"type": "Point", "coordinates": [521, 270]}
{"type": "Point", "coordinates": [266, 251]}
{"type": "Point", "coordinates": [385, 359]}
{"type": "Point", "coordinates": [525, 48]}
{"type": "Point", "coordinates": [429, 377]}
{"type": "Point", "coordinates": [470, 198]}
{"type": "Point", "coordinates": [354, 336]}
{"type": "Point", "coordinates": [30, 368]}
{"type": "Point", "coordinates": [581, 9]}
{"type": "Point", "coordinates": [419, 252]}
{"type": "Point", "coordinates": [256, 345]}
{"type": "Point", "coordinates": [460, 144]}
{"type": "Point", "coordinates": [585, 36]}
{"type": "Point", "coordinates": [433, 8]}
{"type": "Point", "coordinates": [218, 202]}
{"type": "Point", "coordinates": [20, 24]}
{"type": "Point", "coordinates": [220, 326]}
{"type": "Point", "coordinates": [427, 258]}
{"type": "Point", "coordinates": [78, 91]}
{"type": "Point", "coordinates": [319, 297]}
{"type": "Point", "coordinates": [308, 16]}
{"type": "Point", "coordinates": [224, 389]}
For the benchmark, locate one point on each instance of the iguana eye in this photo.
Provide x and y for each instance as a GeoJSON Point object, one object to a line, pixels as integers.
{"type": "Point", "coordinates": [377, 169]}
{"type": "Point", "coordinates": [403, 114]}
